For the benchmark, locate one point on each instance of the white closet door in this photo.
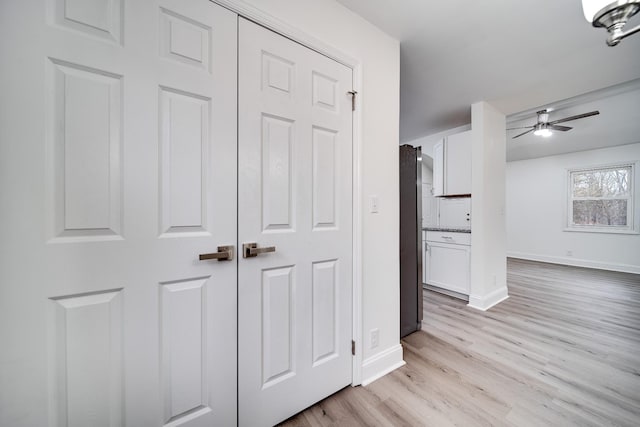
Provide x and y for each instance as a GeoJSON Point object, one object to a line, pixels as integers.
{"type": "Point", "coordinates": [118, 169]}
{"type": "Point", "coordinates": [295, 306]}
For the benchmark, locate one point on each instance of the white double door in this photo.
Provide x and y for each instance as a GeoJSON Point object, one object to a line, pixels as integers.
{"type": "Point", "coordinates": [119, 166]}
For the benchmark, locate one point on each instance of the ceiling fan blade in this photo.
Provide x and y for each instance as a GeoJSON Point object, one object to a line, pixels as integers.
{"type": "Point", "coordinates": [560, 128]}
{"type": "Point", "coordinates": [579, 116]}
{"type": "Point", "coordinates": [523, 127]}
{"type": "Point", "coordinates": [523, 133]}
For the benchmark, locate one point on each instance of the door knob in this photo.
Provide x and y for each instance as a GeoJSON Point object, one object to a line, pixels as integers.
{"type": "Point", "coordinates": [225, 253]}
{"type": "Point", "coordinates": [250, 250]}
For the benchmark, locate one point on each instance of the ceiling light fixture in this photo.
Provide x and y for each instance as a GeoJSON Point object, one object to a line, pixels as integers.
{"type": "Point", "coordinates": [613, 16]}
{"type": "Point", "coordinates": [543, 127]}
{"type": "Point", "coordinates": [543, 130]}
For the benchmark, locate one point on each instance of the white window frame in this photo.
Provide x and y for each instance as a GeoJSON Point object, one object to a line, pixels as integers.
{"type": "Point", "coordinates": [633, 211]}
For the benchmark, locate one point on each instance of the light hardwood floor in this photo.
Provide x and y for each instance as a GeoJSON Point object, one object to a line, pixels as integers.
{"type": "Point", "coordinates": [563, 350]}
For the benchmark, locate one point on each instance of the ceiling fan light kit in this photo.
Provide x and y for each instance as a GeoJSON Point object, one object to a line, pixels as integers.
{"type": "Point", "coordinates": [542, 130]}
{"type": "Point", "coordinates": [543, 127]}
{"type": "Point", "coordinates": [613, 16]}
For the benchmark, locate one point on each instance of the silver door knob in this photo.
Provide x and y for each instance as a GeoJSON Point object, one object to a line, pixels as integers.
{"type": "Point", "coordinates": [250, 250]}
{"type": "Point", "coordinates": [225, 253]}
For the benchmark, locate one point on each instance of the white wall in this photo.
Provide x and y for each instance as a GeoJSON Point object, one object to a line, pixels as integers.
{"type": "Point", "coordinates": [488, 239]}
{"type": "Point", "coordinates": [536, 213]}
{"type": "Point", "coordinates": [379, 56]}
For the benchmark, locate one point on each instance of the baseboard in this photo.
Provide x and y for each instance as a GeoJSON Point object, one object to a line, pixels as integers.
{"type": "Point", "coordinates": [446, 292]}
{"type": "Point", "coordinates": [485, 302]}
{"type": "Point", "coordinates": [381, 364]}
{"type": "Point", "coordinates": [624, 268]}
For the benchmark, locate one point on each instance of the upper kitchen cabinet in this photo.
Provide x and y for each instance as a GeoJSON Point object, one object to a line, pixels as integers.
{"type": "Point", "coordinates": [438, 169]}
{"type": "Point", "coordinates": [452, 165]}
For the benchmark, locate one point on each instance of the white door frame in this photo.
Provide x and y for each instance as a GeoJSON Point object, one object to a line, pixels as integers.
{"type": "Point", "coordinates": [252, 13]}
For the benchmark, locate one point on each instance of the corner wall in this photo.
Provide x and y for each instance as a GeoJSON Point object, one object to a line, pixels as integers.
{"type": "Point", "coordinates": [537, 206]}
{"type": "Point", "coordinates": [379, 56]}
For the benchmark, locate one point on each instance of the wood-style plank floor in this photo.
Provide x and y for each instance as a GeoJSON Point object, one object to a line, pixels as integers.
{"type": "Point", "coordinates": [563, 350]}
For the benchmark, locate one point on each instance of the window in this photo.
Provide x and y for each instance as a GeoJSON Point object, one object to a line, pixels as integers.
{"type": "Point", "coordinates": [601, 199]}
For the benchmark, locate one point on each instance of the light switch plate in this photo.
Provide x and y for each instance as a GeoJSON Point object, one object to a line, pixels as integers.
{"type": "Point", "coordinates": [374, 204]}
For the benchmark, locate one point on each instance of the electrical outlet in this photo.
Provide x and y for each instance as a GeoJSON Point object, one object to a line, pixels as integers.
{"type": "Point", "coordinates": [569, 253]}
{"type": "Point", "coordinates": [375, 338]}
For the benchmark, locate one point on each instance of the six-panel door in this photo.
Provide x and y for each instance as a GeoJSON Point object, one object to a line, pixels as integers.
{"type": "Point", "coordinates": [295, 156]}
{"type": "Point", "coordinates": [118, 171]}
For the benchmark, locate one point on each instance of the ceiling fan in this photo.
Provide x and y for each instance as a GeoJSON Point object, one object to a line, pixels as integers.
{"type": "Point", "coordinates": [544, 127]}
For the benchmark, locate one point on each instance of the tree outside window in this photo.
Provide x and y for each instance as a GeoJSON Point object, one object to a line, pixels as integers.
{"type": "Point", "coordinates": [601, 199]}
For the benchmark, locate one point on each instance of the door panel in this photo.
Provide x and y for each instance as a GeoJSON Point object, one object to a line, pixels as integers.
{"type": "Point", "coordinates": [182, 309]}
{"type": "Point", "coordinates": [86, 345]}
{"type": "Point", "coordinates": [278, 290]}
{"type": "Point", "coordinates": [184, 162]}
{"type": "Point", "coordinates": [119, 164]}
{"type": "Point", "coordinates": [323, 175]}
{"type": "Point", "coordinates": [325, 308]}
{"type": "Point", "coordinates": [85, 145]}
{"type": "Point", "coordinates": [295, 194]}
{"type": "Point", "coordinates": [277, 187]}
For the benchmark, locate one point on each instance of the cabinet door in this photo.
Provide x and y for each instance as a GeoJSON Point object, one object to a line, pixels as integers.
{"type": "Point", "coordinates": [426, 262]}
{"type": "Point", "coordinates": [438, 169]}
{"type": "Point", "coordinates": [454, 212]}
{"type": "Point", "coordinates": [449, 266]}
{"type": "Point", "coordinates": [458, 164]}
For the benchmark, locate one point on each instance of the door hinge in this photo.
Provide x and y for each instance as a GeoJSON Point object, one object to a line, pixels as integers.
{"type": "Point", "coordinates": [353, 94]}
{"type": "Point", "coordinates": [353, 348]}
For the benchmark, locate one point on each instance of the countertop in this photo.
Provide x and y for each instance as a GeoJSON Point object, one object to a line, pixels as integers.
{"type": "Point", "coordinates": [448, 230]}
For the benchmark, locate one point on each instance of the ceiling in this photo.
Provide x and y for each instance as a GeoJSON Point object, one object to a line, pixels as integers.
{"type": "Point", "coordinates": [617, 124]}
{"type": "Point", "coordinates": [516, 55]}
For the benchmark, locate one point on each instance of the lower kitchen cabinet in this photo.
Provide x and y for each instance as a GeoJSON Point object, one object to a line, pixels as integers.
{"type": "Point", "coordinates": [447, 264]}
{"type": "Point", "coordinates": [425, 262]}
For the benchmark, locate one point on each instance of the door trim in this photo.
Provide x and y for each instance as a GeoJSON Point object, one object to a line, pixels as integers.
{"type": "Point", "coordinates": [266, 20]}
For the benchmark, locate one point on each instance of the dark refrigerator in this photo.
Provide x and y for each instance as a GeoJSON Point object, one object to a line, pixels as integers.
{"type": "Point", "coordinates": [410, 239]}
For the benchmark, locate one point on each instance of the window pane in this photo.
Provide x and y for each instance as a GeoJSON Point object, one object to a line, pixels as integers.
{"type": "Point", "coordinates": [600, 212]}
{"type": "Point", "coordinates": [602, 183]}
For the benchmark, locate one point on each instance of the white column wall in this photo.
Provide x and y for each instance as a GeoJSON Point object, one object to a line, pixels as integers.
{"type": "Point", "coordinates": [489, 238]}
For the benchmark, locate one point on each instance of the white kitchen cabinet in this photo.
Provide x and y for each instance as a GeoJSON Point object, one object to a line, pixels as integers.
{"type": "Point", "coordinates": [425, 269]}
{"type": "Point", "coordinates": [458, 164]}
{"type": "Point", "coordinates": [454, 212]}
{"type": "Point", "coordinates": [452, 165]}
{"type": "Point", "coordinates": [438, 169]}
{"type": "Point", "coordinates": [447, 260]}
